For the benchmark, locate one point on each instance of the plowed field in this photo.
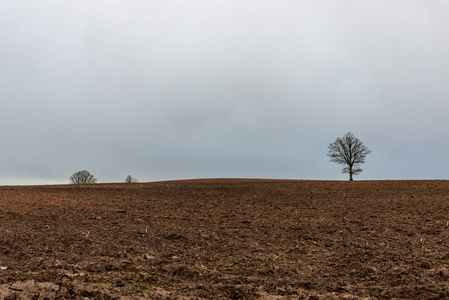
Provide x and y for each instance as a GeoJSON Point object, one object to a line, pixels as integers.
{"type": "Point", "coordinates": [226, 239]}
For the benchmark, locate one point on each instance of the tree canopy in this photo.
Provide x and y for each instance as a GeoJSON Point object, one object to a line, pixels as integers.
{"type": "Point", "coordinates": [82, 177]}
{"type": "Point", "coordinates": [350, 152]}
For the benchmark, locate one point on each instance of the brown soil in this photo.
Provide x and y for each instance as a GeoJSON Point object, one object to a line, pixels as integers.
{"type": "Point", "coordinates": [226, 239]}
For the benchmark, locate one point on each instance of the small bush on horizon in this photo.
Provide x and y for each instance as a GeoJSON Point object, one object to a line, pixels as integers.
{"type": "Point", "coordinates": [130, 179]}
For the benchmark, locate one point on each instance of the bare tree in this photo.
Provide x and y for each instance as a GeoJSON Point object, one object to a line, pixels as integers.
{"type": "Point", "coordinates": [348, 151]}
{"type": "Point", "coordinates": [130, 179]}
{"type": "Point", "coordinates": [82, 177]}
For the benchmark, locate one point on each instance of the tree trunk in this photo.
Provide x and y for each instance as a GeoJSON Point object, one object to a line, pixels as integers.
{"type": "Point", "coordinates": [350, 173]}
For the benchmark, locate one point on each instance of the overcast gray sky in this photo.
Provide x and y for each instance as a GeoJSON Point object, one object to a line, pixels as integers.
{"type": "Point", "coordinates": [194, 89]}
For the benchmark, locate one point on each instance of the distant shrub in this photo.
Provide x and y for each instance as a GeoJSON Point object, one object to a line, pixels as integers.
{"type": "Point", "coordinates": [82, 177]}
{"type": "Point", "coordinates": [130, 179]}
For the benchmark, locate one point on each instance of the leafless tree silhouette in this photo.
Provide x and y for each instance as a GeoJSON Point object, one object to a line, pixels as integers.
{"type": "Point", "coordinates": [130, 179]}
{"type": "Point", "coordinates": [350, 152]}
{"type": "Point", "coordinates": [82, 177]}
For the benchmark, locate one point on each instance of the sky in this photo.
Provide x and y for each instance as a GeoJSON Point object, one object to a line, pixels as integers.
{"type": "Point", "coordinates": [170, 89]}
